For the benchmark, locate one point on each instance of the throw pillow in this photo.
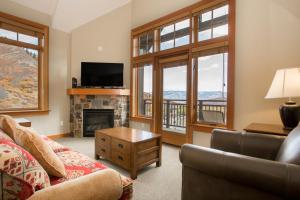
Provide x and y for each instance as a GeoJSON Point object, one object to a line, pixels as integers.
{"type": "Point", "coordinates": [33, 143]}
{"type": "Point", "coordinates": [19, 163]}
{"type": "Point", "coordinates": [8, 125]}
{"type": "Point", "coordinates": [56, 147]}
{"type": "Point", "coordinates": [4, 136]}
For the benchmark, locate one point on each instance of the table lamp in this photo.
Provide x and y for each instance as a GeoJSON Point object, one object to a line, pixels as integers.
{"type": "Point", "coordinates": [286, 84]}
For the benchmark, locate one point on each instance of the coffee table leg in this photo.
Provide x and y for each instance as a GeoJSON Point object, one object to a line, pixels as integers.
{"type": "Point", "coordinates": [133, 174]}
{"type": "Point", "coordinates": [159, 142]}
{"type": "Point", "coordinates": [158, 163]}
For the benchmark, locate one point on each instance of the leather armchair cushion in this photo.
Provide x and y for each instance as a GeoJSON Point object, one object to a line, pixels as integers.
{"type": "Point", "coordinates": [289, 151]}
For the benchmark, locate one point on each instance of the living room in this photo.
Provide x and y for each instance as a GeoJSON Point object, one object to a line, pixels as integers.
{"type": "Point", "coordinates": [166, 88]}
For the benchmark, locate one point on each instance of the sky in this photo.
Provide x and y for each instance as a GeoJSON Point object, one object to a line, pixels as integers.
{"type": "Point", "coordinates": [18, 36]}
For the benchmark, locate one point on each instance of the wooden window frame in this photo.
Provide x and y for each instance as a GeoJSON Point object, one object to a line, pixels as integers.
{"type": "Point", "coordinates": [23, 26]}
{"type": "Point", "coordinates": [135, 89]}
{"type": "Point", "coordinates": [174, 37]}
{"type": "Point", "coordinates": [192, 13]}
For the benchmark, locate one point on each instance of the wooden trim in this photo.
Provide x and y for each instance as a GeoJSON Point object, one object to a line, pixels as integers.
{"type": "Point", "coordinates": [205, 128]}
{"type": "Point", "coordinates": [141, 119]}
{"type": "Point", "coordinates": [174, 139]}
{"type": "Point", "coordinates": [19, 44]}
{"type": "Point", "coordinates": [143, 59]}
{"type": "Point", "coordinates": [211, 46]}
{"type": "Point", "coordinates": [231, 65]}
{"type": "Point", "coordinates": [25, 112]}
{"type": "Point", "coordinates": [96, 91]}
{"type": "Point", "coordinates": [173, 59]}
{"type": "Point", "coordinates": [59, 135]}
{"type": "Point", "coordinates": [24, 23]}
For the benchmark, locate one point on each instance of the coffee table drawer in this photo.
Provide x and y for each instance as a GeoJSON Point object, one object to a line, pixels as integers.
{"type": "Point", "coordinates": [120, 146]}
{"type": "Point", "coordinates": [104, 152]}
{"type": "Point", "coordinates": [103, 140]}
{"type": "Point", "coordinates": [121, 159]}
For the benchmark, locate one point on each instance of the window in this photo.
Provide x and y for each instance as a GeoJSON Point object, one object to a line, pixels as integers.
{"type": "Point", "coordinates": [207, 48]}
{"type": "Point", "coordinates": [212, 87]}
{"type": "Point", "coordinates": [143, 75]}
{"type": "Point", "coordinates": [213, 23]}
{"type": "Point", "coordinates": [146, 43]}
{"type": "Point", "coordinates": [23, 65]}
{"type": "Point", "coordinates": [175, 35]}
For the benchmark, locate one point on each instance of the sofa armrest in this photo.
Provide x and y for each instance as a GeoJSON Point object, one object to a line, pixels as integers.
{"type": "Point", "coordinates": [101, 185]}
{"type": "Point", "coordinates": [247, 143]}
{"type": "Point", "coordinates": [270, 176]}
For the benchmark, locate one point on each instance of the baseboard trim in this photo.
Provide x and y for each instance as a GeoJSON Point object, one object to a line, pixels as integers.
{"type": "Point", "coordinates": [59, 135]}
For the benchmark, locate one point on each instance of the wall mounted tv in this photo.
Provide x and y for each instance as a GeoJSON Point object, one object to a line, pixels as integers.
{"type": "Point", "coordinates": [101, 74]}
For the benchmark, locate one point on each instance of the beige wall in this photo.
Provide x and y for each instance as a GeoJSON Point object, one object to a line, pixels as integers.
{"type": "Point", "coordinates": [267, 38]}
{"type": "Point", "coordinates": [59, 63]}
{"type": "Point", "coordinates": [144, 11]}
{"type": "Point", "coordinates": [112, 33]}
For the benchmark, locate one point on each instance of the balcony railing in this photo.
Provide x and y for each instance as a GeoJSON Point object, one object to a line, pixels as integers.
{"type": "Point", "coordinates": [174, 111]}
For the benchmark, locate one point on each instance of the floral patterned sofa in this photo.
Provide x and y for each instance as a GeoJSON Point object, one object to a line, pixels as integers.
{"type": "Point", "coordinates": [18, 184]}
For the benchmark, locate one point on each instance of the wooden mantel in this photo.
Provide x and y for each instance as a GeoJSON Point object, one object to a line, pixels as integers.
{"type": "Point", "coordinates": [98, 91]}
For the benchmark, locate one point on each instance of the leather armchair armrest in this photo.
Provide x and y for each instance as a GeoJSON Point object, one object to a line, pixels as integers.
{"type": "Point", "coordinates": [247, 143]}
{"type": "Point", "coordinates": [101, 185]}
{"type": "Point", "coordinates": [270, 176]}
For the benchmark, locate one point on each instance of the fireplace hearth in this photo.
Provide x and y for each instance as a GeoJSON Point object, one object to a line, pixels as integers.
{"type": "Point", "coordinates": [96, 119]}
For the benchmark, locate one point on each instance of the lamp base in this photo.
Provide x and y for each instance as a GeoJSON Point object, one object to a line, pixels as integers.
{"type": "Point", "coordinates": [289, 113]}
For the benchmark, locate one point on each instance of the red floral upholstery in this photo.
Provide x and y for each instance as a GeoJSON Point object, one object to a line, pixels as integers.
{"type": "Point", "coordinates": [14, 188]}
{"type": "Point", "coordinates": [19, 170]}
{"type": "Point", "coordinates": [76, 165]}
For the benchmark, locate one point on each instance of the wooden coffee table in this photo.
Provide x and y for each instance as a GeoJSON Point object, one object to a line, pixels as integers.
{"type": "Point", "coordinates": [128, 148]}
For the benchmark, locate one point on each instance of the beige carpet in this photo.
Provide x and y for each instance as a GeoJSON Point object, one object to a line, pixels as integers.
{"type": "Point", "coordinates": [162, 183]}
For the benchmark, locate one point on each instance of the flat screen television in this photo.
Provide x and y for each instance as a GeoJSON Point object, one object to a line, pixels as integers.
{"type": "Point", "coordinates": [101, 74]}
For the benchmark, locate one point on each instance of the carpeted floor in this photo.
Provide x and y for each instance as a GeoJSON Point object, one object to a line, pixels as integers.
{"type": "Point", "coordinates": [153, 183]}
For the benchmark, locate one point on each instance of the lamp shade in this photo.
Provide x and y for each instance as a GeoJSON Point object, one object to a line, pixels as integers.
{"type": "Point", "coordinates": [286, 83]}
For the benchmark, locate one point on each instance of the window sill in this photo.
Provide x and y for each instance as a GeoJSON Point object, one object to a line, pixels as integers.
{"type": "Point", "coordinates": [25, 112]}
{"type": "Point", "coordinates": [141, 119]}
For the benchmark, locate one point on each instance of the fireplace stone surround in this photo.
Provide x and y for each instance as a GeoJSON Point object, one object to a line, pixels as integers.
{"type": "Point", "coordinates": [119, 103]}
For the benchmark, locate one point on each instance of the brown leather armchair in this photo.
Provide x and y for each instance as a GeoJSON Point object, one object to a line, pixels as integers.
{"type": "Point", "coordinates": [242, 165]}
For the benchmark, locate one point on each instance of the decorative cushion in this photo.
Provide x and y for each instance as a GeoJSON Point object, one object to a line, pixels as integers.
{"type": "Point", "coordinates": [32, 142]}
{"type": "Point", "coordinates": [76, 165]}
{"type": "Point", "coordinates": [8, 125]}
{"type": "Point", "coordinates": [4, 136]}
{"type": "Point", "coordinates": [15, 188]}
{"type": "Point", "coordinates": [289, 151]}
{"type": "Point", "coordinates": [17, 162]}
{"type": "Point", "coordinates": [56, 147]}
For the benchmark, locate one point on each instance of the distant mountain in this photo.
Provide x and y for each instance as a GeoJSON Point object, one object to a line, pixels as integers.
{"type": "Point", "coordinates": [201, 95]}
{"type": "Point", "coordinates": [18, 77]}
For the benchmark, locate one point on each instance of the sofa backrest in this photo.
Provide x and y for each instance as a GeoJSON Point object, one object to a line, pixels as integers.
{"type": "Point", "coordinates": [289, 151]}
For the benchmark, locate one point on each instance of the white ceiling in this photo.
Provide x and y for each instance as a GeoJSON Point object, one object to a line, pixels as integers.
{"type": "Point", "coordinates": [68, 15]}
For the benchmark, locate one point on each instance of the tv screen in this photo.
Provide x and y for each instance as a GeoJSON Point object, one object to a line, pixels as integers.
{"type": "Point", "coordinates": [101, 74]}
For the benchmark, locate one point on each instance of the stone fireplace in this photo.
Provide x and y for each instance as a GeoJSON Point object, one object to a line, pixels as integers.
{"type": "Point", "coordinates": [118, 104]}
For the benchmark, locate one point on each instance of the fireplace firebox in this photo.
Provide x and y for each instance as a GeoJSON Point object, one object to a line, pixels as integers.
{"type": "Point", "coordinates": [95, 119]}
